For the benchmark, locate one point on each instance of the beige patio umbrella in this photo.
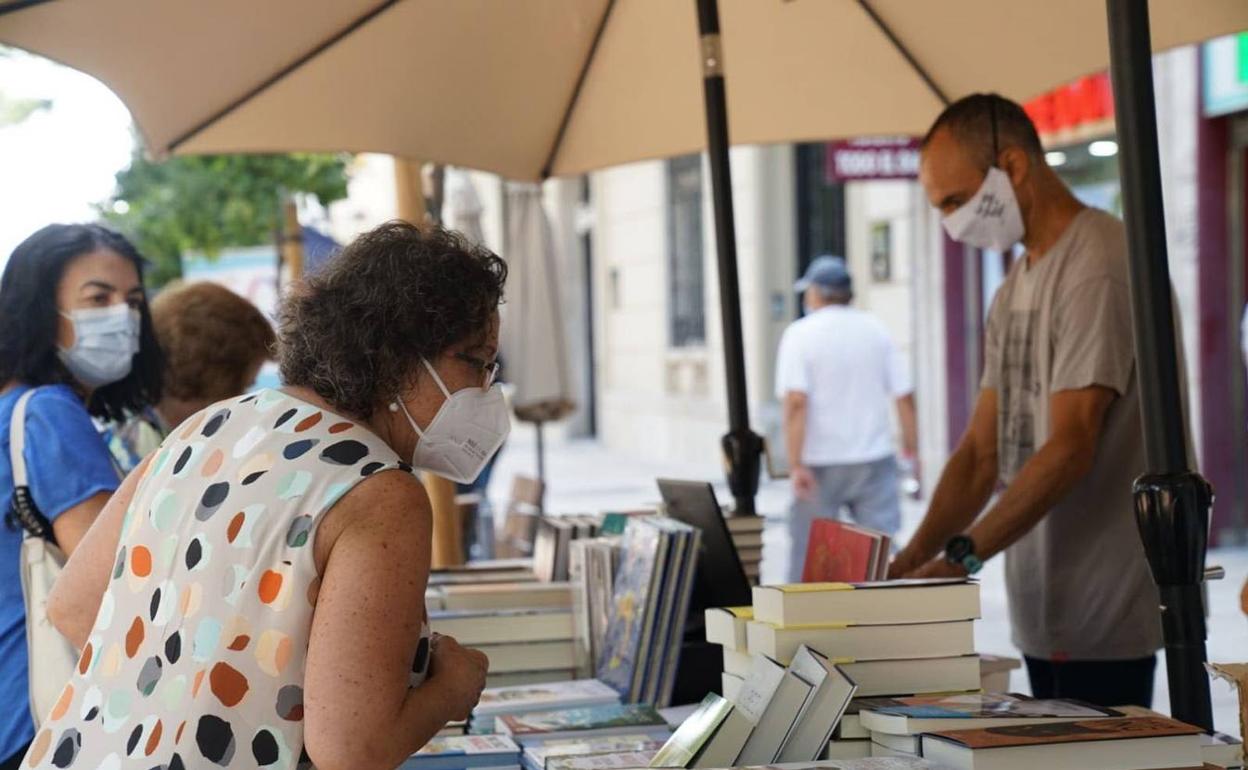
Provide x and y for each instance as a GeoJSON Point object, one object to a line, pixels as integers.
{"type": "Point", "coordinates": [541, 88]}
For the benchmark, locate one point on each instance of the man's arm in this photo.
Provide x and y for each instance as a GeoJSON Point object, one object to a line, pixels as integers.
{"type": "Point", "coordinates": [963, 490]}
{"type": "Point", "coordinates": [908, 420]}
{"type": "Point", "coordinates": [795, 408]}
{"type": "Point", "coordinates": [1077, 417]}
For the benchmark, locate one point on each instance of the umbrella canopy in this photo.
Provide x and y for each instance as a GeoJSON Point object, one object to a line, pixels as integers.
{"type": "Point", "coordinates": [550, 87]}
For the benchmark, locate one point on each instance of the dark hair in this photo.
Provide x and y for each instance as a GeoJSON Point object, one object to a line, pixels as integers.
{"type": "Point", "coordinates": [972, 120]}
{"type": "Point", "coordinates": [211, 338]}
{"type": "Point", "coordinates": [354, 331]}
{"type": "Point", "coordinates": [29, 318]}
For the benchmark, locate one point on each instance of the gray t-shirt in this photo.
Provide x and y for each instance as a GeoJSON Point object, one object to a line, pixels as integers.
{"type": "Point", "coordinates": [1078, 583]}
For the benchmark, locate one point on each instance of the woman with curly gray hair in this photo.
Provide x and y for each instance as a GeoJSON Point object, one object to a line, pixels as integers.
{"type": "Point", "coordinates": [253, 595]}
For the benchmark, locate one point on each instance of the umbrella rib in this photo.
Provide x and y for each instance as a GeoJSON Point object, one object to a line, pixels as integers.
{"type": "Point", "coordinates": [904, 51]}
{"type": "Point", "coordinates": [576, 91]}
{"type": "Point", "coordinates": [281, 73]}
{"type": "Point", "coordinates": [20, 5]}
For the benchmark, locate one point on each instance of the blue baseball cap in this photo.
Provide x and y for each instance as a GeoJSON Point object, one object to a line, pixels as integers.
{"type": "Point", "coordinates": [826, 272]}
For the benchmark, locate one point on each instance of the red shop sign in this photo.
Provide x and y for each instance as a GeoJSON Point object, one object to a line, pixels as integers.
{"type": "Point", "coordinates": [874, 158]}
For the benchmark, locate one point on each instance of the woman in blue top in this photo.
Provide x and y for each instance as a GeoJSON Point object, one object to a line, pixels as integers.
{"type": "Point", "coordinates": [76, 326]}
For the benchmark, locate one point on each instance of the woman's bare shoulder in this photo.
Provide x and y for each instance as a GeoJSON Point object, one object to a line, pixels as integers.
{"type": "Point", "coordinates": [388, 504]}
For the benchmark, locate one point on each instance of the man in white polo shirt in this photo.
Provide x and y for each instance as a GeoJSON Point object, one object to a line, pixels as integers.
{"type": "Point", "coordinates": [838, 375]}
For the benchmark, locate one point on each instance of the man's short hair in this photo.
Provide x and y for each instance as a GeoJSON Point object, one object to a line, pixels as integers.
{"type": "Point", "coordinates": [971, 118]}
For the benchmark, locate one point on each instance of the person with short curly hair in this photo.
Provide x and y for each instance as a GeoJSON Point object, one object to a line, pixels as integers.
{"type": "Point", "coordinates": [214, 343]}
{"type": "Point", "coordinates": [270, 596]}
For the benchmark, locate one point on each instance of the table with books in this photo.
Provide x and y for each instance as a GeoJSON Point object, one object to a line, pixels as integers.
{"type": "Point", "coordinates": [878, 675]}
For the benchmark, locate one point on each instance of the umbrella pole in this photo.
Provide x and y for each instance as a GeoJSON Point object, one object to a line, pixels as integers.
{"type": "Point", "coordinates": [1172, 502]}
{"type": "Point", "coordinates": [743, 448]}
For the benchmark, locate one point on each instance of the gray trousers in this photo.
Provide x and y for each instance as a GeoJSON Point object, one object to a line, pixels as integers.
{"type": "Point", "coordinates": [865, 493]}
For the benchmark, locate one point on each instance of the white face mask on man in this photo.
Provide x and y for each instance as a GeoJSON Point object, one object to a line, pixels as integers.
{"type": "Point", "coordinates": [106, 340]}
{"type": "Point", "coordinates": [991, 219]}
{"type": "Point", "coordinates": [468, 429]}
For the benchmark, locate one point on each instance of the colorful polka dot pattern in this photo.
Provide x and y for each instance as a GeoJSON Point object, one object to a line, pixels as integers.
{"type": "Point", "coordinates": [197, 656]}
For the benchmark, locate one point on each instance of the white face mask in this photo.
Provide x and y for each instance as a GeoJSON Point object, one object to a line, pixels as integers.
{"type": "Point", "coordinates": [467, 430]}
{"type": "Point", "coordinates": [991, 219]}
{"type": "Point", "coordinates": [105, 342]}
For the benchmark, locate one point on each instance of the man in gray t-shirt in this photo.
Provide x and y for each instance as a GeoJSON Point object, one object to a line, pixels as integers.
{"type": "Point", "coordinates": [1057, 422]}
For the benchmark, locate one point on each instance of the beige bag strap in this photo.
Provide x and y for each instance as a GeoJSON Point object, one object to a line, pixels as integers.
{"type": "Point", "coordinates": [23, 506]}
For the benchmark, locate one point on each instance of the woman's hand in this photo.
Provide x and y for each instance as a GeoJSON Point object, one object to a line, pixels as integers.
{"type": "Point", "coordinates": [459, 672]}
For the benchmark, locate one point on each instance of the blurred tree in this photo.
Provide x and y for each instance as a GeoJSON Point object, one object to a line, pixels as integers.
{"type": "Point", "coordinates": [210, 202]}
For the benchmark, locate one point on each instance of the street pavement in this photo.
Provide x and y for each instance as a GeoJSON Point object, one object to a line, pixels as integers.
{"type": "Point", "coordinates": [584, 477]}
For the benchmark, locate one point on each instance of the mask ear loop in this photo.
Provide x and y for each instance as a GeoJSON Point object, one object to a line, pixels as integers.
{"type": "Point", "coordinates": [996, 149]}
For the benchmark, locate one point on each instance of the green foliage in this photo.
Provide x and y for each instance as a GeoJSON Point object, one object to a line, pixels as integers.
{"type": "Point", "coordinates": [210, 202]}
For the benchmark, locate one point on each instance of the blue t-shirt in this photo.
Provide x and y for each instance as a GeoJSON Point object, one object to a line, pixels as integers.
{"type": "Point", "coordinates": [67, 463]}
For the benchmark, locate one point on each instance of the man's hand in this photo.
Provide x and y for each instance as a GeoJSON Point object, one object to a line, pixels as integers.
{"type": "Point", "coordinates": [938, 568]}
{"type": "Point", "coordinates": [904, 563]}
{"type": "Point", "coordinates": [804, 484]}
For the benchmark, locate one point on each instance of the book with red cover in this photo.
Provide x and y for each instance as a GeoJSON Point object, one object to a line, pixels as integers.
{"type": "Point", "coordinates": [841, 553]}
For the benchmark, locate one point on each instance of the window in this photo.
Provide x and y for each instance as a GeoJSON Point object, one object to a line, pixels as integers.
{"type": "Point", "coordinates": [685, 287]}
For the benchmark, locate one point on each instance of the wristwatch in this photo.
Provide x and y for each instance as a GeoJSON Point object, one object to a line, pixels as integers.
{"type": "Point", "coordinates": [960, 550]}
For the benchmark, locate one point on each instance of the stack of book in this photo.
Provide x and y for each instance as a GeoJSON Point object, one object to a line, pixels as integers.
{"type": "Point", "coordinates": [782, 714]}
{"type": "Point", "coordinates": [496, 752]}
{"type": "Point", "coordinates": [525, 644]}
{"type": "Point", "coordinates": [528, 699]}
{"type": "Point", "coordinates": [552, 543]}
{"type": "Point", "coordinates": [900, 637]}
{"type": "Point", "coordinates": [840, 552]}
{"type": "Point", "coordinates": [895, 725]}
{"type": "Point", "coordinates": [590, 722]}
{"type": "Point", "coordinates": [486, 571]}
{"type": "Point", "coordinates": [650, 601]}
{"type": "Point", "coordinates": [747, 537]}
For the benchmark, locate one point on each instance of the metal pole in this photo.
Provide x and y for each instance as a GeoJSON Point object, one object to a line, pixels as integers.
{"type": "Point", "coordinates": [743, 448]}
{"type": "Point", "coordinates": [1172, 503]}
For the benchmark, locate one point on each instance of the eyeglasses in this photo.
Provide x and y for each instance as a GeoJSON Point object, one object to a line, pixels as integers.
{"type": "Point", "coordinates": [489, 369]}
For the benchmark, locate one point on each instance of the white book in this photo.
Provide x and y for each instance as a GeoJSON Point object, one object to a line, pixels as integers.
{"type": "Point", "coordinates": [858, 748]}
{"type": "Point", "coordinates": [776, 722]}
{"type": "Point", "coordinates": [529, 656]}
{"type": "Point", "coordinates": [499, 596]}
{"type": "Point", "coordinates": [1222, 750]}
{"type": "Point", "coordinates": [541, 697]}
{"type": "Point", "coordinates": [731, 684]}
{"type": "Point", "coordinates": [860, 642]}
{"type": "Point", "coordinates": [475, 627]}
{"type": "Point", "coordinates": [830, 696]}
{"type": "Point", "coordinates": [751, 703]}
{"type": "Point", "coordinates": [851, 727]}
{"type": "Point", "coordinates": [725, 745]}
{"type": "Point", "coordinates": [970, 711]}
{"type": "Point", "coordinates": [907, 744]}
{"type": "Point", "coordinates": [880, 750]}
{"type": "Point", "coordinates": [738, 663]}
{"type": "Point", "coordinates": [726, 626]}
{"type": "Point", "coordinates": [881, 603]}
{"type": "Point", "coordinates": [521, 678]}
{"type": "Point", "coordinates": [913, 677]}
{"type": "Point", "coordinates": [627, 759]}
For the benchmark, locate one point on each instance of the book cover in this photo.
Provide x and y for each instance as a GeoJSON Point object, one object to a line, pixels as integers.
{"type": "Point", "coordinates": [693, 733]}
{"type": "Point", "coordinates": [676, 634]}
{"type": "Point", "coordinates": [982, 706]}
{"type": "Point", "coordinates": [836, 553]}
{"type": "Point", "coordinates": [760, 687]}
{"type": "Point", "coordinates": [537, 756]}
{"type": "Point", "coordinates": [580, 692]}
{"type": "Point", "coordinates": [650, 679]}
{"type": "Point", "coordinates": [631, 604]}
{"type": "Point", "coordinates": [628, 759]}
{"type": "Point", "coordinates": [1066, 732]}
{"type": "Point", "coordinates": [468, 744]}
{"type": "Point", "coordinates": [580, 720]}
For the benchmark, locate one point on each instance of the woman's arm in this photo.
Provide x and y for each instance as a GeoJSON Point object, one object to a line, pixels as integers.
{"type": "Point", "coordinates": [359, 711]}
{"type": "Point", "coordinates": [90, 540]}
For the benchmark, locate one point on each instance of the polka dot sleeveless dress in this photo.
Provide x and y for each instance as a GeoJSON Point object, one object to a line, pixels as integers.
{"type": "Point", "coordinates": [196, 659]}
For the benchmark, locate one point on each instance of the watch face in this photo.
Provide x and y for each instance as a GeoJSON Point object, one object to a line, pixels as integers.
{"type": "Point", "coordinates": [958, 548]}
